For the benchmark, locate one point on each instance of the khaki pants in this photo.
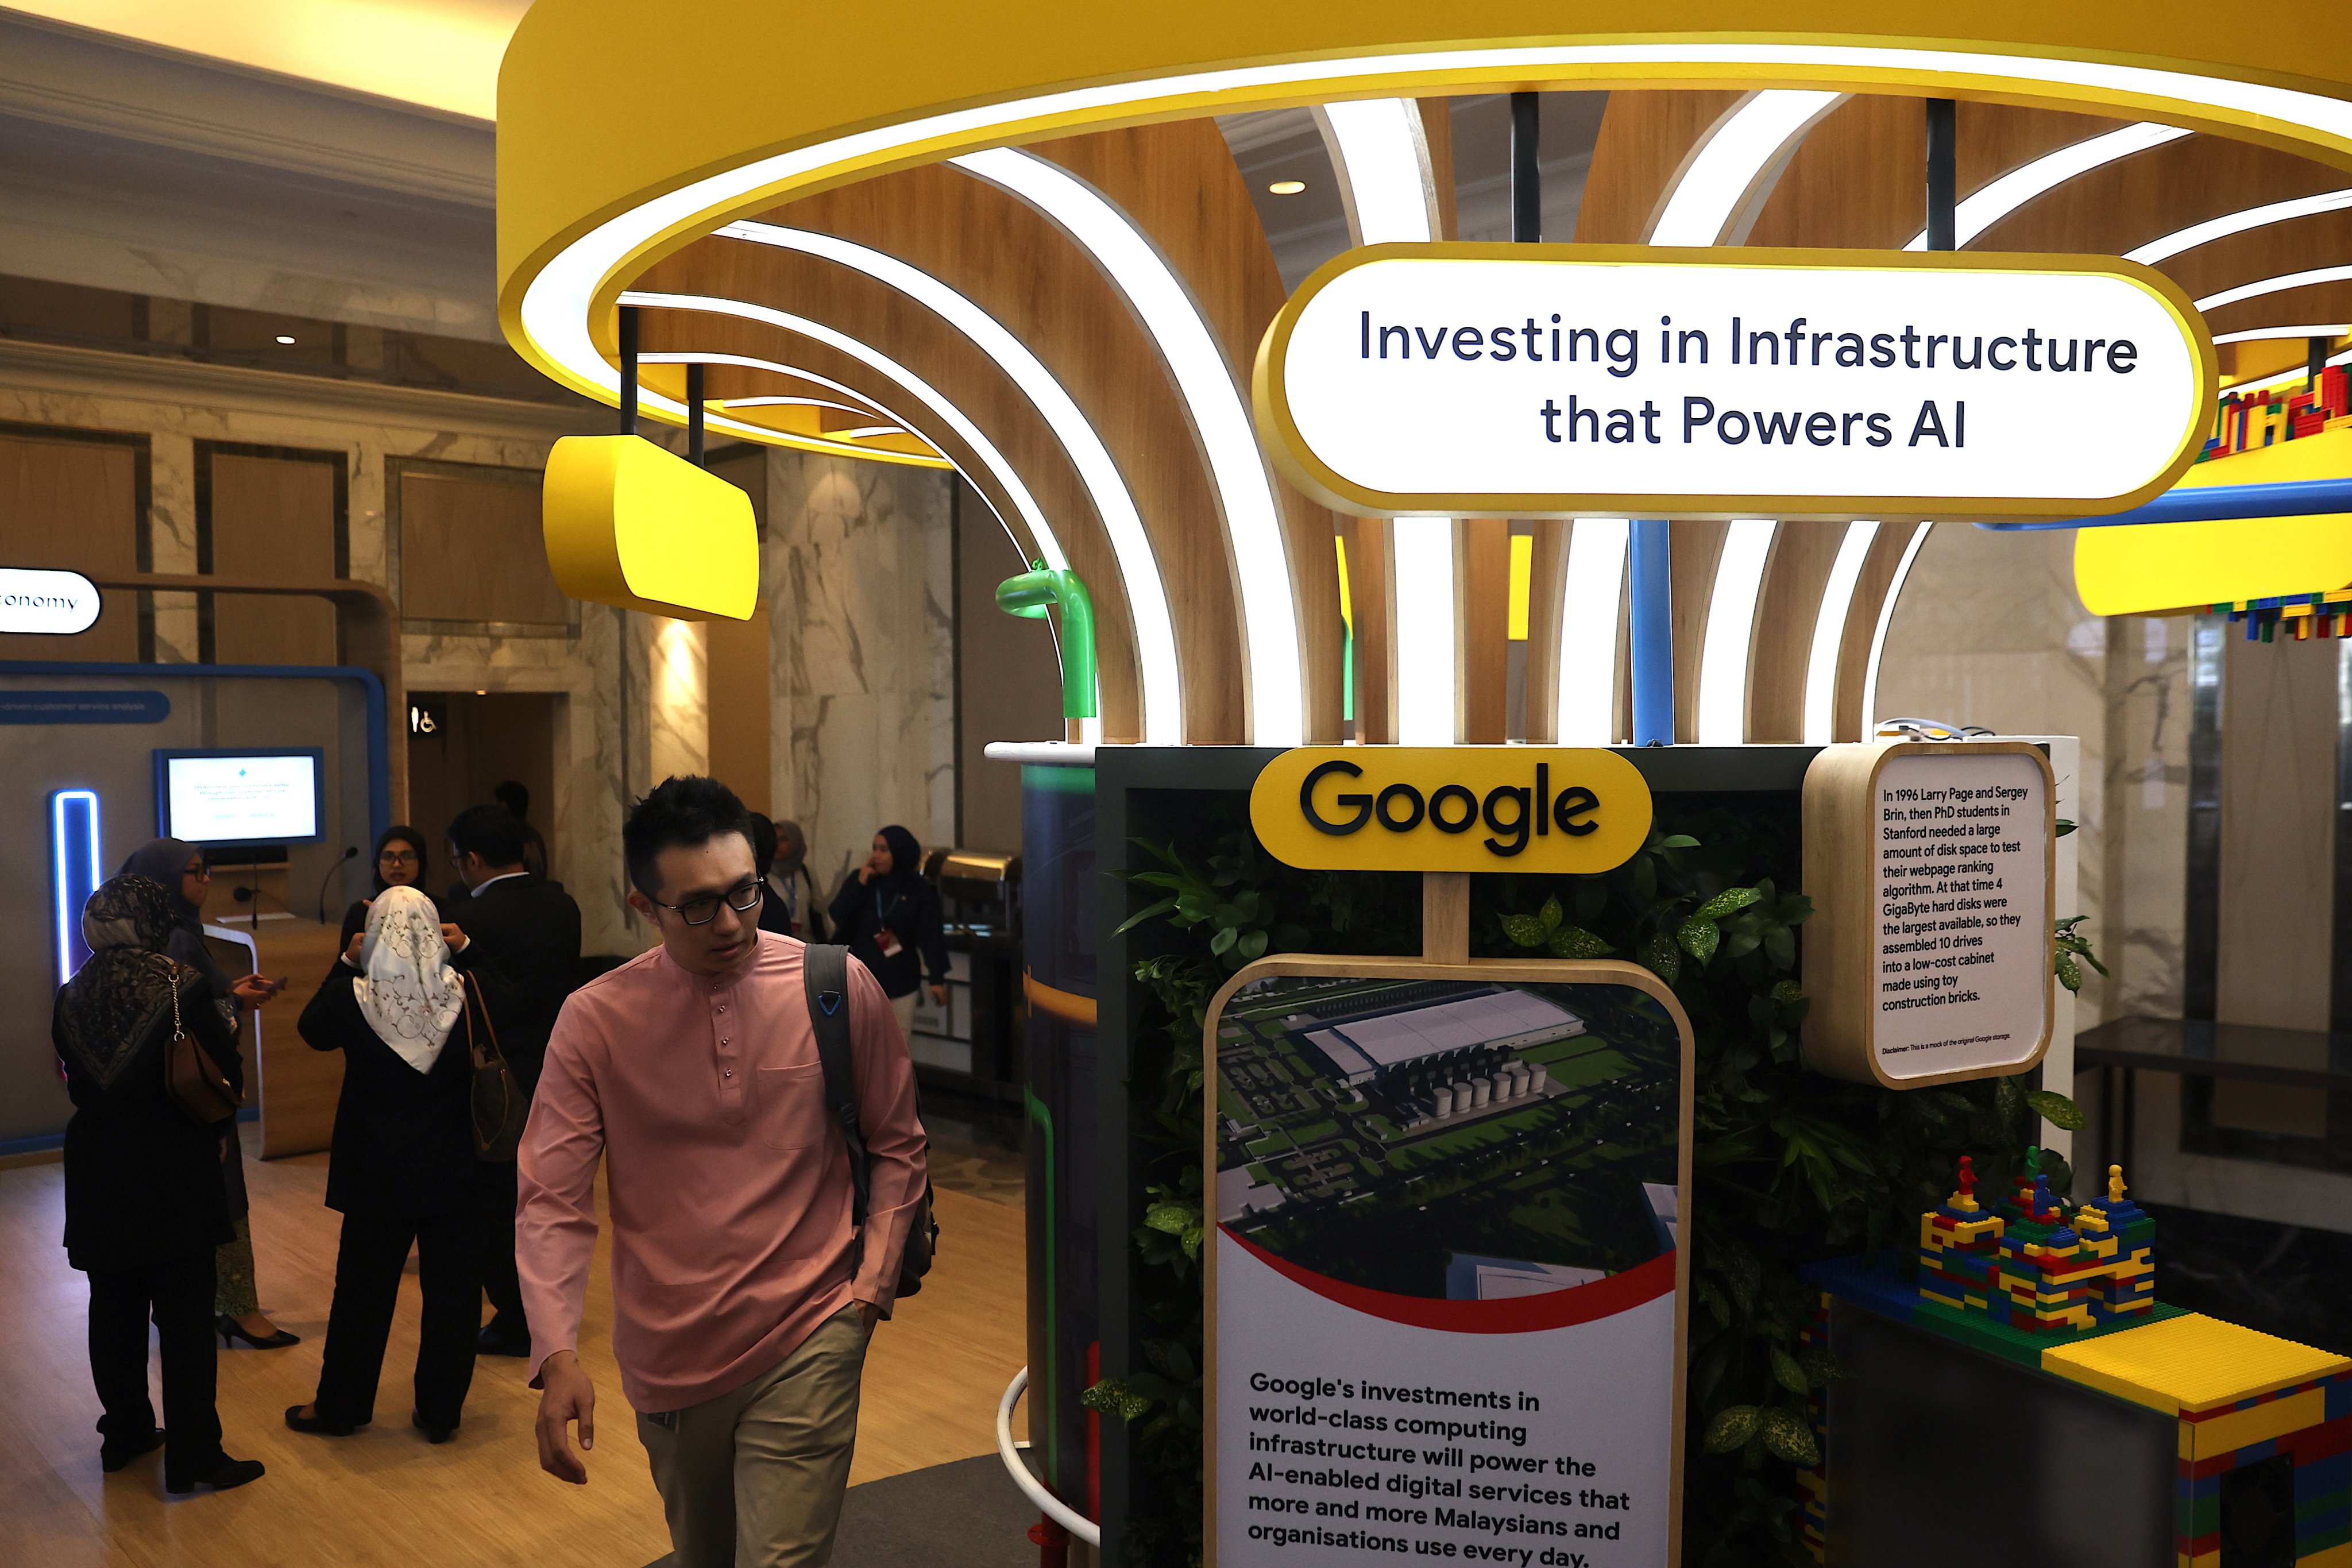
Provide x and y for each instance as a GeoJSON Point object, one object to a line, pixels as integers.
{"type": "Point", "coordinates": [754, 1478]}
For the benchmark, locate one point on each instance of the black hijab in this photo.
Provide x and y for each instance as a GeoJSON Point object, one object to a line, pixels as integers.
{"type": "Point", "coordinates": [415, 840]}
{"type": "Point", "coordinates": [114, 1006]}
{"type": "Point", "coordinates": [162, 861]}
{"type": "Point", "coordinates": [905, 861]}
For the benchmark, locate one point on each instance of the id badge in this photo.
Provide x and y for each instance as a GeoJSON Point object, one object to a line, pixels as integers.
{"type": "Point", "coordinates": [886, 943]}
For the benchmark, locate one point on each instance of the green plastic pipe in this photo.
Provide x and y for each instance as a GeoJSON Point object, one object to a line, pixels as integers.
{"type": "Point", "coordinates": [1032, 594]}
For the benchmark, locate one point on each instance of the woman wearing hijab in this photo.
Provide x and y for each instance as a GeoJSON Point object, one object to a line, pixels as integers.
{"type": "Point", "coordinates": [180, 867]}
{"type": "Point", "coordinates": [888, 914]}
{"type": "Point", "coordinates": [779, 849]}
{"type": "Point", "coordinates": [145, 1206]}
{"type": "Point", "coordinates": [401, 1167]}
{"type": "Point", "coordinates": [399, 863]}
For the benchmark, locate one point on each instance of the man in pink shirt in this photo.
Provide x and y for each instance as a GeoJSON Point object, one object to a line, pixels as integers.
{"type": "Point", "coordinates": [742, 1295]}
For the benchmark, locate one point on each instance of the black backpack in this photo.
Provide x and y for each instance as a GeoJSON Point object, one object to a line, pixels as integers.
{"type": "Point", "coordinates": [825, 974]}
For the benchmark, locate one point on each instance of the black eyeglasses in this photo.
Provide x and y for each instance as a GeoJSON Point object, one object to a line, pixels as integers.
{"type": "Point", "coordinates": [743, 898]}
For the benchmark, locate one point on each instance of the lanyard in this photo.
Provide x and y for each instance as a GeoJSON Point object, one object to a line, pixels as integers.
{"type": "Point", "coordinates": [881, 909]}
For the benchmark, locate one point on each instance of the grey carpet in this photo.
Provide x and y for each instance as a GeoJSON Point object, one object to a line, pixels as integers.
{"type": "Point", "coordinates": [968, 1514]}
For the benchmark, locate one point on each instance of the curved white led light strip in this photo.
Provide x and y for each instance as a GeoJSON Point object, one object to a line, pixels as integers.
{"type": "Point", "coordinates": [2278, 285]}
{"type": "Point", "coordinates": [1886, 619]}
{"type": "Point", "coordinates": [1710, 202]}
{"type": "Point", "coordinates": [1382, 155]}
{"type": "Point", "coordinates": [2004, 196]}
{"type": "Point", "coordinates": [553, 310]}
{"type": "Point", "coordinates": [2211, 229]}
{"type": "Point", "coordinates": [1593, 600]}
{"type": "Point", "coordinates": [788, 403]}
{"type": "Point", "coordinates": [1730, 631]}
{"type": "Point", "coordinates": [1139, 568]}
{"type": "Point", "coordinates": [1829, 633]}
{"type": "Point", "coordinates": [864, 405]}
{"type": "Point", "coordinates": [1049, 549]}
{"type": "Point", "coordinates": [864, 430]}
{"type": "Point", "coordinates": [1274, 674]}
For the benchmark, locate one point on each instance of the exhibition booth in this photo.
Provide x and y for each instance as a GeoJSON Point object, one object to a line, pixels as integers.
{"type": "Point", "coordinates": [1522, 1062]}
{"type": "Point", "coordinates": [1529, 1046]}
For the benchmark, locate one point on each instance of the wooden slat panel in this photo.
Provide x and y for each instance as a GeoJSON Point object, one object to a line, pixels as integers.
{"type": "Point", "coordinates": [471, 550]}
{"type": "Point", "coordinates": [1644, 137]}
{"type": "Point", "coordinates": [1870, 591]}
{"type": "Point", "coordinates": [962, 230]}
{"type": "Point", "coordinates": [1802, 554]}
{"type": "Point", "coordinates": [1695, 549]}
{"type": "Point", "coordinates": [1179, 183]}
{"type": "Point", "coordinates": [1372, 594]}
{"type": "Point", "coordinates": [272, 517]}
{"type": "Point", "coordinates": [2127, 203]}
{"type": "Point", "coordinates": [1546, 585]}
{"type": "Point", "coordinates": [945, 359]}
{"type": "Point", "coordinates": [1484, 594]}
{"type": "Point", "coordinates": [736, 684]}
{"type": "Point", "coordinates": [72, 506]}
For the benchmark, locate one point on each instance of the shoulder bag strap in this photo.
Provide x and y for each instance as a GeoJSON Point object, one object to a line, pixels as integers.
{"type": "Point", "coordinates": [824, 974]}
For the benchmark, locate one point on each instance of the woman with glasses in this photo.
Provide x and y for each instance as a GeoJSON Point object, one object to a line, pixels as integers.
{"type": "Point", "coordinates": [399, 863]}
{"type": "Point", "coordinates": [182, 869]}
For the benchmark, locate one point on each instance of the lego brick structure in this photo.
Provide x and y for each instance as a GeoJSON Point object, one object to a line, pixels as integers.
{"type": "Point", "coordinates": [2120, 1430]}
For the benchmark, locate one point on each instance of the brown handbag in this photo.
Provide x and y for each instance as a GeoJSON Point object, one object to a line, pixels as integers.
{"type": "Point", "coordinates": [194, 1082]}
{"type": "Point", "coordinates": [499, 1106]}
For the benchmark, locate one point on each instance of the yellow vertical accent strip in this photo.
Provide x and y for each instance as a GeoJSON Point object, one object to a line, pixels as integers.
{"type": "Point", "coordinates": [1523, 572]}
{"type": "Point", "coordinates": [1346, 602]}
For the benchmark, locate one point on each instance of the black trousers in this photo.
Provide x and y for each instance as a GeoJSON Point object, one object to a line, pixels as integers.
{"type": "Point", "coordinates": [367, 1288]}
{"type": "Point", "coordinates": [498, 1238]}
{"type": "Point", "coordinates": [178, 1294]}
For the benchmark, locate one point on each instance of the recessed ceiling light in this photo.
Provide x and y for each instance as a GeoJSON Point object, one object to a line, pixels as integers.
{"type": "Point", "coordinates": [1286, 187]}
{"type": "Point", "coordinates": [286, 340]}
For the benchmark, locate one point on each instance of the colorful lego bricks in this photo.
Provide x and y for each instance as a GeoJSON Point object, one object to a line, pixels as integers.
{"type": "Point", "coordinates": [2030, 1266]}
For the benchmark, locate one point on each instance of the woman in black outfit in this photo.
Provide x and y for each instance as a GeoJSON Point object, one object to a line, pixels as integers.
{"type": "Point", "coordinates": [180, 869]}
{"type": "Point", "coordinates": [399, 863]}
{"type": "Point", "coordinates": [145, 1202]}
{"type": "Point", "coordinates": [887, 914]}
{"type": "Point", "coordinates": [402, 1168]}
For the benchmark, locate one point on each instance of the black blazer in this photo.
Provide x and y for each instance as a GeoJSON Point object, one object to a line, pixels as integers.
{"type": "Point", "coordinates": [529, 931]}
{"type": "Point", "coordinates": [914, 915]}
{"type": "Point", "coordinates": [404, 1146]}
{"type": "Point", "coordinates": [143, 1183]}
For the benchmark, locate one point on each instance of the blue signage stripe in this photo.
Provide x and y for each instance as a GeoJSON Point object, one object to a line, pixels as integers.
{"type": "Point", "coordinates": [84, 707]}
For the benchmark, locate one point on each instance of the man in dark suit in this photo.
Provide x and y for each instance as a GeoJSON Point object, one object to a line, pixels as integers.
{"type": "Point", "coordinates": [529, 929]}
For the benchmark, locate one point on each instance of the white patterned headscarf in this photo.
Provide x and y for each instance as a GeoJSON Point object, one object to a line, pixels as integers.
{"type": "Point", "coordinates": [408, 993]}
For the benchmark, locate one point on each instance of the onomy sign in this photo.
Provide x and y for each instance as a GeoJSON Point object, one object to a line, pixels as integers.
{"type": "Point", "coordinates": [1451, 808]}
{"type": "Point", "coordinates": [1518, 380]}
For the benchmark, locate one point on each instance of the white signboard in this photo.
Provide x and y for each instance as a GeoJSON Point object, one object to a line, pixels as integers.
{"type": "Point", "coordinates": [47, 603]}
{"type": "Point", "coordinates": [1928, 956]}
{"type": "Point", "coordinates": [1507, 380]}
{"type": "Point", "coordinates": [1963, 950]}
{"type": "Point", "coordinates": [1445, 1284]}
{"type": "Point", "coordinates": [256, 797]}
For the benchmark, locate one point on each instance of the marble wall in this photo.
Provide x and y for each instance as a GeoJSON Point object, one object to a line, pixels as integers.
{"type": "Point", "coordinates": [859, 578]}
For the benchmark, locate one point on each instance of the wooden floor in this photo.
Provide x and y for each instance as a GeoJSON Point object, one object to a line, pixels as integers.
{"type": "Point", "coordinates": [385, 1497]}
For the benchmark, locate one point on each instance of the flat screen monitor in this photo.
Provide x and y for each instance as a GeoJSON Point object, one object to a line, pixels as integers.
{"type": "Point", "coordinates": [276, 795]}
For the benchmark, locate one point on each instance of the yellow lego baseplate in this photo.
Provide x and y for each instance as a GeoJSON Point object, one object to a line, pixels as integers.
{"type": "Point", "coordinates": [2189, 1364]}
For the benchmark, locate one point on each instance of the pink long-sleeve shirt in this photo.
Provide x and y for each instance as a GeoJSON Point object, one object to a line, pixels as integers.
{"type": "Point", "coordinates": [728, 1183]}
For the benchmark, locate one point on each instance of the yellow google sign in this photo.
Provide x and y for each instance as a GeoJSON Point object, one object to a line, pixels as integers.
{"type": "Point", "coordinates": [1451, 808]}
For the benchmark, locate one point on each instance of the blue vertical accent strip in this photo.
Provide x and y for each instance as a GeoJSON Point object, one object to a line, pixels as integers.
{"type": "Point", "coordinates": [1652, 635]}
{"type": "Point", "coordinates": [74, 857]}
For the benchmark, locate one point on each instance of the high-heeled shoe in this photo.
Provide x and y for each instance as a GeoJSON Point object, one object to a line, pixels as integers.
{"type": "Point", "coordinates": [231, 1331]}
{"type": "Point", "coordinates": [113, 1456]}
{"type": "Point", "coordinates": [317, 1423]}
{"type": "Point", "coordinates": [222, 1475]}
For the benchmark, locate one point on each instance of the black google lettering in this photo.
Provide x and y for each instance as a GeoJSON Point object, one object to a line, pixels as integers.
{"type": "Point", "coordinates": [1512, 812]}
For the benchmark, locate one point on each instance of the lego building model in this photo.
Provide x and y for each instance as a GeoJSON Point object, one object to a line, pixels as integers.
{"type": "Point", "coordinates": [2031, 1267]}
{"type": "Point", "coordinates": [2209, 1446]}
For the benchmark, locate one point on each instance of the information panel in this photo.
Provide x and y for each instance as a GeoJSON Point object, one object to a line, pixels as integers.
{"type": "Point", "coordinates": [1521, 380]}
{"type": "Point", "coordinates": [1447, 1297]}
{"type": "Point", "coordinates": [1928, 955]}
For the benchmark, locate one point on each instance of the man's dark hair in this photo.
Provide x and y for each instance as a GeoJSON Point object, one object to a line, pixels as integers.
{"type": "Point", "coordinates": [514, 796]}
{"type": "Point", "coordinates": [492, 832]}
{"type": "Point", "coordinates": [680, 812]}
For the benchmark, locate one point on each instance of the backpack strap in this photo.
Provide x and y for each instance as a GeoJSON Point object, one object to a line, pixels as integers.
{"type": "Point", "coordinates": [824, 974]}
